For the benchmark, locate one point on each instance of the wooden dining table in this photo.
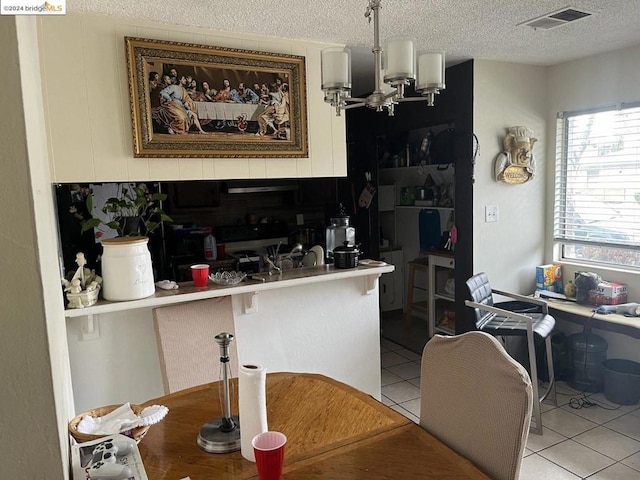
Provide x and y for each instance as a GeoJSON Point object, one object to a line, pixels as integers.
{"type": "Point", "coordinates": [333, 432]}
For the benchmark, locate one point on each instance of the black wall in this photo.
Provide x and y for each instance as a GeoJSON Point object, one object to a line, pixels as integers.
{"type": "Point", "coordinates": [366, 128]}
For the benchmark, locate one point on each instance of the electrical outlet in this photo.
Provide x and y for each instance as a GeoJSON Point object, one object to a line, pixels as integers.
{"type": "Point", "coordinates": [490, 213]}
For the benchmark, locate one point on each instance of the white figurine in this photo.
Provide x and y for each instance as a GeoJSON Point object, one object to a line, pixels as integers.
{"type": "Point", "coordinates": [82, 290]}
{"type": "Point", "coordinates": [75, 286]}
{"type": "Point", "coordinates": [80, 272]}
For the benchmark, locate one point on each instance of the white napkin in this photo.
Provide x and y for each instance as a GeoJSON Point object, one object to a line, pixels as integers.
{"type": "Point", "coordinates": [121, 420]}
{"type": "Point", "coordinates": [167, 285]}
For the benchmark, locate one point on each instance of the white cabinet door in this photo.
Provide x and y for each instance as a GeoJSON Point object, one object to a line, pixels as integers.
{"type": "Point", "coordinates": [392, 284]}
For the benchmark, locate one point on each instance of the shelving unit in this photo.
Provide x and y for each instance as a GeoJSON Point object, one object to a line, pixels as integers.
{"type": "Point", "coordinates": [400, 223]}
{"type": "Point", "coordinates": [441, 268]}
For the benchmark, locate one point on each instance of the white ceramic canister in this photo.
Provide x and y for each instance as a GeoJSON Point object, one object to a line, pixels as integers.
{"type": "Point", "coordinates": [127, 273]}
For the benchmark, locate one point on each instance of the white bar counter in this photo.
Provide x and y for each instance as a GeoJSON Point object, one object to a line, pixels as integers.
{"type": "Point", "coordinates": [187, 292]}
{"type": "Point", "coordinates": [316, 319]}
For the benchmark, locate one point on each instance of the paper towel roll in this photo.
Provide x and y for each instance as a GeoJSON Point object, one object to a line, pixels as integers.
{"type": "Point", "coordinates": [252, 402]}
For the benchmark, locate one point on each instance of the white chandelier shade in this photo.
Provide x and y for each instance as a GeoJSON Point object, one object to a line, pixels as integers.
{"type": "Point", "coordinates": [398, 59]}
{"type": "Point", "coordinates": [336, 68]}
{"type": "Point", "coordinates": [397, 65]}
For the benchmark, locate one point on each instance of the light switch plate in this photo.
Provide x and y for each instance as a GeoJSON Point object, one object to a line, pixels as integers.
{"type": "Point", "coordinates": [490, 213]}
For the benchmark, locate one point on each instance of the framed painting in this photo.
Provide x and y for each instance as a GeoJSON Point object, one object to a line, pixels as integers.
{"type": "Point", "coordinates": [192, 100]}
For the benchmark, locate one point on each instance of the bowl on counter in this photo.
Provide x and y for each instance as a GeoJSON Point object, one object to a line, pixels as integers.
{"type": "Point", "coordinates": [227, 278]}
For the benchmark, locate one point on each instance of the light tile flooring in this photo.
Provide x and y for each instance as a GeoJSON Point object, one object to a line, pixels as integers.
{"type": "Point", "coordinates": [599, 443]}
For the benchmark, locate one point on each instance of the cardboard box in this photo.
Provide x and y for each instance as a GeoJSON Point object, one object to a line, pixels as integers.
{"type": "Point", "coordinates": [549, 277]}
{"type": "Point", "coordinates": [608, 293]}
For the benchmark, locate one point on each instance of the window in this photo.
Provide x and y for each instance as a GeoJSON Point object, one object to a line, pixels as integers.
{"type": "Point", "coordinates": [597, 186]}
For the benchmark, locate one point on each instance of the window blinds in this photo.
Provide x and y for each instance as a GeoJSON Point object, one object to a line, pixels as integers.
{"type": "Point", "coordinates": [597, 178]}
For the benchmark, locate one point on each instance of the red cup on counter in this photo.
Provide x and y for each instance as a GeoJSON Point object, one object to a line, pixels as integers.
{"type": "Point", "coordinates": [200, 274]}
{"type": "Point", "coordinates": [268, 448]}
{"type": "Point", "coordinates": [221, 251]}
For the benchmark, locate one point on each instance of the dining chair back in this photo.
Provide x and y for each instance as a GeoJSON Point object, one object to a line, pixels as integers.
{"type": "Point", "coordinates": [189, 355]}
{"type": "Point", "coordinates": [478, 400]}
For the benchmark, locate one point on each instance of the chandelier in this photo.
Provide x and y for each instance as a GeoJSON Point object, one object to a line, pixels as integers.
{"type": "Point", "coordinates": [395, 67]}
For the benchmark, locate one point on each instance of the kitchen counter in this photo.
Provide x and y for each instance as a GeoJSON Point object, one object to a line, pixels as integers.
{"type": "Point", "coordinates": [315, 320]}
{"type": "Point", "coordinates": [188, 292]}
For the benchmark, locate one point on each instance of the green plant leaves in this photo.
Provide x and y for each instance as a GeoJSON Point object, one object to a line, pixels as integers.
{"type": "Point", "coordinates": [134, 202]}
{"type": "Point", "coordinates": [90, 224]}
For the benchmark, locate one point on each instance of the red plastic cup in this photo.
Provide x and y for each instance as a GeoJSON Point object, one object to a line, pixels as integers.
{"type": "Point", "coordinates": [268, 448]}
{"type": "Point", "coordinates": [200, 274]}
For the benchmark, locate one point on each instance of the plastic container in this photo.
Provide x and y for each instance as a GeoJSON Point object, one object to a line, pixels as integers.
{"type": "Point", "coordinates": [127, 273]}
{"type": "Point", "coordinates": [210, 249]}
{"type": "Point", "coordinates": [587, 352]}
{"type": "Point", "coordinates": [621, 381]}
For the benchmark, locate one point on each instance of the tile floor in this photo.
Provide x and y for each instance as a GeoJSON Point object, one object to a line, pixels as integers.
{"type": "Point", "coordinates": [598, 443]}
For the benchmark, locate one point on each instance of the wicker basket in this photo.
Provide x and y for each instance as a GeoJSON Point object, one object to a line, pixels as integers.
{"type": "Point", "coordinates": [136, 433]}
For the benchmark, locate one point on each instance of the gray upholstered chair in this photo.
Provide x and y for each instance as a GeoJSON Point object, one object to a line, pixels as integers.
{"type": "Point", "coordinates": [189, 354]}
{"type": "Point", "coordinates": [477, 400]}
{"type": "Point", "coordinates": [497, 321]}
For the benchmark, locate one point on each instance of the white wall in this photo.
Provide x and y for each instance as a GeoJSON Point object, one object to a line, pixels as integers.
{"type": "Point", "coordinates": [87, 105]}
{"type": "Point", "coordinates": [595, 81]}
{"type": "Point", "coordinates": [34, 371]}
{"type": "Point", "coordinates": [506, 95]}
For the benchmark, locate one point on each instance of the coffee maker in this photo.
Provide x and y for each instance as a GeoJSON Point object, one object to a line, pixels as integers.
{"type": "Point", "coordinates": [338, 233]}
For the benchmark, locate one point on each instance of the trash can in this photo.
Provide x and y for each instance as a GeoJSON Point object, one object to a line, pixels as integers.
{"type": "Point", "coordinates": [588, 352]}
{"type": "Point", "coordinates": [621, 381]}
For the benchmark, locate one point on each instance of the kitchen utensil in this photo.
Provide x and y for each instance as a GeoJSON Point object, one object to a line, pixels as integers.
{"type": "Point", "coordinates": [346, 256]}
{"type": "Point", "coordinates": [319, 251]}
{"type": "Point", "coordinates": [297, 248]}
{"type": "Point", "coordinates": [309, 259]}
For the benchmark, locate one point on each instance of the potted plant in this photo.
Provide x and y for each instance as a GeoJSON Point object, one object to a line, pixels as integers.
{"type": "Point", "coordinates": [135, 212]}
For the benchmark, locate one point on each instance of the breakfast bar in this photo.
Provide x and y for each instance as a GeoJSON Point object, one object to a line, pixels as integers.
{"type": "Point", "coordinates": [314, 319]}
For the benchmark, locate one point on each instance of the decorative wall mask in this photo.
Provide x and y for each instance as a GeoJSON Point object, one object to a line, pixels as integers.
{"type": "Point", "coordinates": [516, 163]}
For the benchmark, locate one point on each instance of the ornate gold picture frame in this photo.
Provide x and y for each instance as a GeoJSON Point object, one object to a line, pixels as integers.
{"type": "Point", "coordinates": [192, 100]}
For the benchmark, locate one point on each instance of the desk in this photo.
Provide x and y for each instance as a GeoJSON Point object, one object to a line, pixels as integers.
{"type": "Point", "coordinates": [333, 431]}
{"type": "Point", "coordinates": [584, 315]}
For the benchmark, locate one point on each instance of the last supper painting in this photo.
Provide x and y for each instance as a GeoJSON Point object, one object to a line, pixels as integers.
{"type": "Point", "coordinates": [192, 100]}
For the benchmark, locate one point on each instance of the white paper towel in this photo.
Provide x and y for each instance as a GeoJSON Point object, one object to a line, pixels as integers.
{"type": "Point", "coordinates": [252, 403]}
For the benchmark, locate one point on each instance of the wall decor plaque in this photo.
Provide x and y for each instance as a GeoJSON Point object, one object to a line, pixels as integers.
{"type": "Point", "coordinates": [516, 163]}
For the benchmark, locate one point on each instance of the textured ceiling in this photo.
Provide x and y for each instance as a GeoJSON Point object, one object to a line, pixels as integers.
{"type": "Point", "coordinates": [464, 29]}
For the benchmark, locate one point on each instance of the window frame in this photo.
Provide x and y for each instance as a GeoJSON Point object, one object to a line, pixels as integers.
{"type": "Point", "coordinates": [560, 241]}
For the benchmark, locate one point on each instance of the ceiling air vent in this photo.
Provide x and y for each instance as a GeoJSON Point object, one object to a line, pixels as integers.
{"type": "Point", "coordinates": [556, 19]}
